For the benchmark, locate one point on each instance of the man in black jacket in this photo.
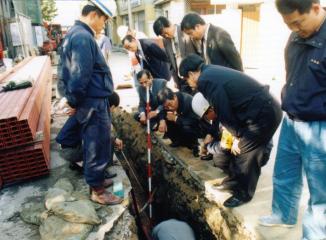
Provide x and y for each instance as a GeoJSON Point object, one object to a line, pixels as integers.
{"type": "Point", "coordinates": [215, 45]}
{"type": "Point", "coordinates": [180, 123]}
{"type": "Point", "coordinates": [247, 110]}
{"type": "Point", "coordinates": [177, 46]}
{"type": "Point", "coordinates": [145, 80]}
{"type": "Point", "coordinates": [149, 55]}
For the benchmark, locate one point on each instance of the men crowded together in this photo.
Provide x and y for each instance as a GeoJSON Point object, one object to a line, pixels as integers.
{"type": "Point", "coordinates": [204, 62]}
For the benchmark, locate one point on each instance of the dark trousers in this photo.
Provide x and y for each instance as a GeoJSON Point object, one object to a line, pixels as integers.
{"type": "Point", "coordinates": [70, 134]}
{"type": "Point", "coordinates": [96, 147]}
{"type": "Point", "coordinates": [255, 146]}
{"type": "Point", "coordinates": [94, 123]}
{"type": "Point", "coordinates": [186, 134]}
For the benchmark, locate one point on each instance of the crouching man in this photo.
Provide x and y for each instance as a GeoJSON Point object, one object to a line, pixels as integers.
{"type": "Point", "coordinates": [218, 141]}
{"type": "Point", "coordinates": [180, 123]}
{"type": "Point", "coordinates": [145, 79]}
{"type": "Point", "coordinates": [247, 110]}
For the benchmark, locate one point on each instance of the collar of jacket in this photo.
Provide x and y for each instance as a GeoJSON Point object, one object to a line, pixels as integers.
{"type": "Point", "coordinates": [84, 25]}
{"type": "Point", "coordinates": [180, 102]}
{"type": "Point", "coordinates": [200, 85]}
{"type": "Point", "coordinates": [208, 25]}
{"type": "Point", "coordinates": [203, 67]}
{"type": "Point", "coordinates": [140, 51]}
{"type": "Point", "coordinates": [317, 40]}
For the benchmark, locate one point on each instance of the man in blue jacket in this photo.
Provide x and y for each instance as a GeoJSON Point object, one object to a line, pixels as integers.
{"type": "Point", "coordinates": [302, 143]}
{"type": "Point", "coordinates": [87, 85]}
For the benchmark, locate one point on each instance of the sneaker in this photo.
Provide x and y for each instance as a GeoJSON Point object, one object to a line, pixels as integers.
{"type": "Point", "coordinates": [273, 221]}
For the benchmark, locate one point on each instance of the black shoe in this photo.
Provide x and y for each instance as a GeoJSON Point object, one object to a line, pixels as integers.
{"type": "Point", "coordinates": [195, 152]}
{"type": "Point", "coordinates": [174, 144]}
{"type": "Point", "coordinates": [75, 167]}
{"type": "Point", "coordinates": [235, 201]}
{"type": "Point", "coordinates": [207, 157]}
{"type": "Point", "coordinates": [108, 175]}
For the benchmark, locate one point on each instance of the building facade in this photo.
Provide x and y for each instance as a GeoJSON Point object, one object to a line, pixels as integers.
{"type": "Point", "coordinates": [143, 16]}
{"type": "Point", "coordinates": [20, 26]}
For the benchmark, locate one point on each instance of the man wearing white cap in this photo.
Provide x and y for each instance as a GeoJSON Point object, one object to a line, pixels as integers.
{"type": "Point", "coordinates": [87, 85]}
{"type": "Point", "coordinates": [218, 140]}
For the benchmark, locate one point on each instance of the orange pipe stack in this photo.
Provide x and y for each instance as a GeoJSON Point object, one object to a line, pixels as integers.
{"type": "Point", "coordinates": [24, 115]}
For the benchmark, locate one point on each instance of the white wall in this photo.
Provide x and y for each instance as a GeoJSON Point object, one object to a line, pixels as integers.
{"type": "Point", "coordinates": [229, 20]}
{"type": "Point", "coordinates": [68, 12]}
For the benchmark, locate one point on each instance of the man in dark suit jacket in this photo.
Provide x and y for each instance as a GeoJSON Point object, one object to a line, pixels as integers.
{"type": "Point", "coordinates": [145, 80]}
{"type": "Point", "coordinates": [149, 55]}
{"type": "Point", "coordinates": [247, 110]}
{"type": "Point", "coordinates": [177, 46]}
{"type": "Point", "coordinates": [181, 124]}
{"type": "Point", "coordinates": [215, 45]}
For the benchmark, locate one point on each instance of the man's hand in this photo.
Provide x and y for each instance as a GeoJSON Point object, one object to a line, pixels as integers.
{"type": "Point", "coordinates": [235, 150]}
{"type": "Point", "coordinates": [152, 114]}
{"type": "Point", "coordinates": [69, 110]}
{"type": "Point", "coordinates": [208, 139]}
{"type": "Point", "coordinates": [162, 127]}
{"type": "Point", "coordinates": [143, 119]}
{"type": "Point", "coordinates": [118, 143]}
{"type": "Point", "coordinates": [171, 116]}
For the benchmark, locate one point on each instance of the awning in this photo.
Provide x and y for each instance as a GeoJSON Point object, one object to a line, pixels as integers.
{"type": "Point", "coordinates": [157, 2]}
{"type": "Point", "coordinates": [222, 2]}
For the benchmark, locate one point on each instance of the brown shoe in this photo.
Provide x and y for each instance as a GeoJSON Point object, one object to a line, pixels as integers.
{"type": "Point", "coordinates": [100, 195]}
{"type": "Point", "coordinates": [107, 183]}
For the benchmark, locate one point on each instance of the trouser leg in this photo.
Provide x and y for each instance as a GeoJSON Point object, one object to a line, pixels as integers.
{"type": "Point", "coordinates": [222, 157]}
{"type": "Point", "coordinates": [70, 133]}
{"type": "Point", "coordinates": [255, 148]}
{"type": "Point", "coordinates": [313, 136]}
{"type": "Point", "coordinates": [287, 177]}
{"type": "Point", "coordinates": [246, 169]}
{"type": "Point", "coordinates": [97, 147]}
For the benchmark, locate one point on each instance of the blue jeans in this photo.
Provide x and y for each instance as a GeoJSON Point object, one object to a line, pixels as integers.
{"type": "Point", "coordinates": [302, 146]}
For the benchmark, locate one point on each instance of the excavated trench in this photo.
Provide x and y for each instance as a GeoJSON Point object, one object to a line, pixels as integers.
{"type": "Point", "coordinates": [182, 184]}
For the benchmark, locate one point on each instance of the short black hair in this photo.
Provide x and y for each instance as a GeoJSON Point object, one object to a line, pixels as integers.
{"type": "Point", "coordinates": [192, 63]}
{"type": "Point", "coordinates": [159, 24]}
{"type": "Point", "coordinates": [164, 95]}
{"type": "Point", "coordinates": [89, 8]}
{"type": "Point", "coordinates": [142, 72]}
{"type": "Point", "coordinates": [129, 37]}
{"type": "Point", "coordinates": [289, 6]}
{"type": "Point", "coordinates": [114, 99]}
{"type": "Point", "coordinates": [191, 20]}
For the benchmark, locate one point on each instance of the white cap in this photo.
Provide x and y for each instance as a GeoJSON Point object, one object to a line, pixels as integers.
{"type": "Point", "coordinates": [108, 7]}
{"type": "Point", "coordinates": [122, 31]}
{"type": "Point", "coordinates": [199, 104]}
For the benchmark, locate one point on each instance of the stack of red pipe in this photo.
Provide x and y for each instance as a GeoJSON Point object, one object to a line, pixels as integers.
{"type": "Point", "coordinates": [25, 124]}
